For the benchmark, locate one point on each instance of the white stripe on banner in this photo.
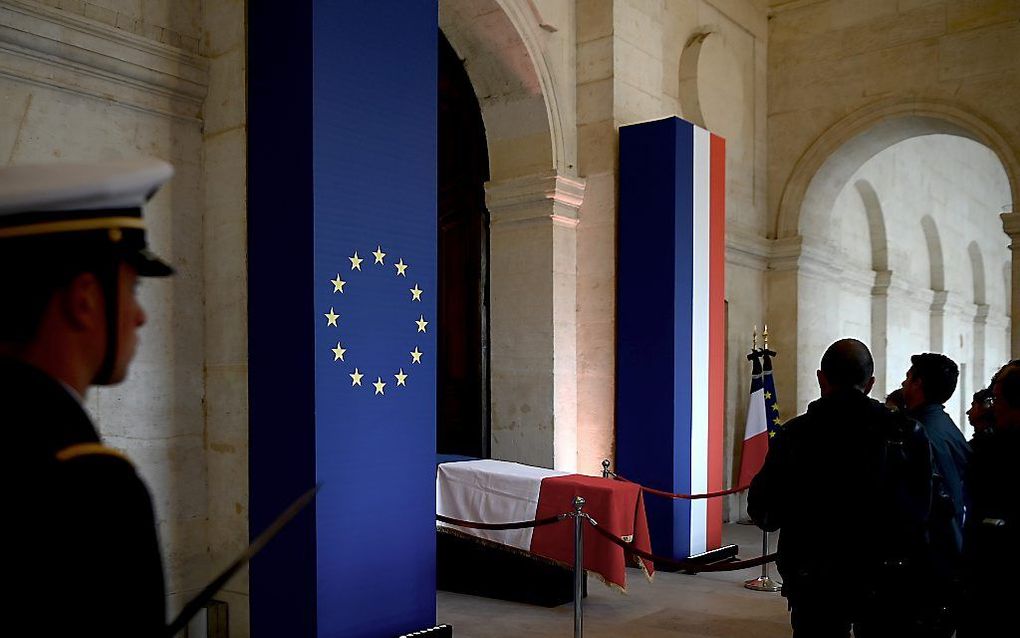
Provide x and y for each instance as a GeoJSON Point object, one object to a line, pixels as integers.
{"type": "Point", "coordinates": [700, 343]}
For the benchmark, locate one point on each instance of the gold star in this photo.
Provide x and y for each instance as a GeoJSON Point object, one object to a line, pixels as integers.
{"type": "Point", "coordinates": [331, 317]}
{"type": "Point", "coordinates": [355, 377]}
{"type": "Point", "coordinates": [768, 395]}
{"type": "Point", "coordinates": [401, 267]}
{"type": "Point", "coordinates": [416, 293]}
{"type": "Point", "coordinates": [379, 385]}
{"type": "Point", "coordinates": [777, 421]}
{"type": "Point", "coordinates": [338, 284]}
{"type": "Point", "coordinates": [338, 352]}
{"type": "Point", "coordinates": [379, 254]}
{"type": "Point", "coordinates": [421, 323]}
{"type": "Point", "coordinates": [775, 406]}
{"type": "Point", "coordinates": [772, 434]}
{"type": "Point", "coordinates": [416, 355]}
{"type": "Point", "coordinates": [356, 261]}
{"type": "Point", "coordinates": [400, 377]}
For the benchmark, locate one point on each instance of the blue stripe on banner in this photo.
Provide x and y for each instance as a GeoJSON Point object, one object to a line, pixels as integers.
{"type": "Point", "coordinates": [682, 313]}
{"type": "Point", "coordinates": [645, 313]}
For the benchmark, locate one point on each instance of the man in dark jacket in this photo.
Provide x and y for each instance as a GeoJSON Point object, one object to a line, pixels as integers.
{"type": "Point", "coordinates": [83, 556]}
{"type": "Point", "coordinates": [872, 469]}
{"type": "Point", "coordinates": [930, 382]}
{"type": "Point", "coordinates": [992, 531]}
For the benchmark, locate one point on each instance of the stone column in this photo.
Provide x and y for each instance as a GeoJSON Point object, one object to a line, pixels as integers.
{"type": "Point", "coordinates": [1011, 224]}
{"type": "Point", "coordinates": [880, 327]}
{"type": "Point", "coordinates": [938, 320]}
{"type": "Point", "coordinates": [533, 281]}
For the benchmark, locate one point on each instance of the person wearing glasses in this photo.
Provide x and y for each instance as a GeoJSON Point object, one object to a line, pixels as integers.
{"type": "Point", "coordinates": [992, 531]}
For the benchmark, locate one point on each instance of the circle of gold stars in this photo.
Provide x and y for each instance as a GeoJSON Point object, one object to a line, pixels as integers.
{"type": "Point", "coordinates": [333, 321]}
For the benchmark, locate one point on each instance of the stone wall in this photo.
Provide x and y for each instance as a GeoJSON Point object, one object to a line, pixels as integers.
{"type": "Point", "coordinates": [86, 81]}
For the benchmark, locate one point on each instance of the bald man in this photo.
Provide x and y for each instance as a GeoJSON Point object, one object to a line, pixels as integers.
{"type": "Point", "coordinates": [842, 505]}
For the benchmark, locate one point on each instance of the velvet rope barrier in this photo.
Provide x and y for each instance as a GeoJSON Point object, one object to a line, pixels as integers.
{"type": "Point", "coordinates": [687, 565]}
{"type": "Point", "coordinates": [688, 497]}
{"type": "Point", "coordinates": [606, 473]}
{"type": "Point", "coordinates": [500, 526]}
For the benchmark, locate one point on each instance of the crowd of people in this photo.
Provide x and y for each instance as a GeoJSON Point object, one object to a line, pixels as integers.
{"type": "Point", "coordinates": [924, 528]}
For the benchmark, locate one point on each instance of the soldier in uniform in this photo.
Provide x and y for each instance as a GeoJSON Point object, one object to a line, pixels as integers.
{"type": "Point", "coordinates": [875, 466]}
{"type": "Point", "coordinates": [84, 557]}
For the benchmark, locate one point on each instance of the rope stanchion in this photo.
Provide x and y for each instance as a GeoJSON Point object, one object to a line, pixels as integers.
{"type": "Point", "coordinates": [607, 473]}
{"type": "Point", "coordinates": [579, 566]}
{"type": "Point", "coordinates": [686, 565]}
{"type": "Point", "coordinates": [502, 526]}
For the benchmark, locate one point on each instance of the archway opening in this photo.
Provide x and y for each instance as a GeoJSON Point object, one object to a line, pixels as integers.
{"type": "Point", "coordinates": [462, 367]}
{"type": "Point", "coordinates": [899, 228]}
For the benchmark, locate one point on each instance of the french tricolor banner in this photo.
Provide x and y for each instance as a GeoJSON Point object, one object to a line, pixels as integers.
{"type": "Point", "coordinates": [671, 326]}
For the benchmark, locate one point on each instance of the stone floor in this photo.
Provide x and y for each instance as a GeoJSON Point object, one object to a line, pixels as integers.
{"type": "Point", "coordinates": [676, 605]}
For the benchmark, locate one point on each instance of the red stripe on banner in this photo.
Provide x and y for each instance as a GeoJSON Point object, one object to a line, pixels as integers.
{"type": "Point", "coordinates": [716, 335]}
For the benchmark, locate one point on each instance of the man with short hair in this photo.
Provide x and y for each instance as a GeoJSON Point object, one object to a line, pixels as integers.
{"type": "Point", "coordinates": [875, 467]}
{"type": "Point", "coordinates": [930, 382]}
{"type": "Point", "coordinates": [980, 414]}
{"type": "Point", "coordinates": [992, 532]}
{"type": "Point", "coordinates": [83, 556]}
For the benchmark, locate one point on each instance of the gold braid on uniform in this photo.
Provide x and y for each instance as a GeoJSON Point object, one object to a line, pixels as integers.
{"type": "Point", "coordinates": [89, 449]}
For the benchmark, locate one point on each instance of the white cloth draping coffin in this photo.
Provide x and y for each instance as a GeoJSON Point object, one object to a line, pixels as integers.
{"type": "Point", "coordinates": [489, 491]}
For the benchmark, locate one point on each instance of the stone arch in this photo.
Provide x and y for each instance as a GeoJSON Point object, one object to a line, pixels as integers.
{"type": "Point", "coordinates": [883, 278]}
{"type": "Point", "coordinates": [498, 40]}
{"type": "Point", "coordinates": [936, 263]}
{"type": "Point", "coordinates": [977, 269]}
{"type": "Point", "coordinates": [829, 162]}
{"type": "Point", "coordinates": [876, 225]}
{"type": "Point", "coordinates": [936, 282]}
{"type": "Point", "coordinates": [533, 196]}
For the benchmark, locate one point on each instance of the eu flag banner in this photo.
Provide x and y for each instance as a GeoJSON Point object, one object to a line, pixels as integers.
{"type": "Point", "coordinates": [342, 314]}
{"type": "Point", "coordinates": [670, 326]}
{"type": "Point", "coordinates": [769, 395]}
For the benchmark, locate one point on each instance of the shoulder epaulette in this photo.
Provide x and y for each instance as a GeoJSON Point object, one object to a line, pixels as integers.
{"type": "Point", "coordinates": [79, 450]}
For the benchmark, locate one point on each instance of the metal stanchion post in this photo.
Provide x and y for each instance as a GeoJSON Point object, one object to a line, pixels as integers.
{"type": "Point", "coordinates": [605, 468]}
{"type": "Point", "coordinates": [578, 567]}
{"type": "Point", "coordinates": [764, 582]}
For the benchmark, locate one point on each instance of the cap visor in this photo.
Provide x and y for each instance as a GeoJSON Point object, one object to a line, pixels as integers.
{"type": "Point", "coordinates": [148, 264]}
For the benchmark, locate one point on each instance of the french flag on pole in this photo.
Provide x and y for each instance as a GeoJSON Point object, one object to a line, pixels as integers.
{"type": "Point", "coordinates": [670, 326]}
{"type": "Point", "coordinates": [756, 431]}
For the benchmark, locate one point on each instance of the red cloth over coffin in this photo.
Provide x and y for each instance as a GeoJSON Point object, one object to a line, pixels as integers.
{"type": "Point", "coordinates": [617, 506]}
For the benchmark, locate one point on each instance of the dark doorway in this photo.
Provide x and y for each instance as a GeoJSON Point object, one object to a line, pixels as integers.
{"type": "Point", "coordinates": [462, 370]}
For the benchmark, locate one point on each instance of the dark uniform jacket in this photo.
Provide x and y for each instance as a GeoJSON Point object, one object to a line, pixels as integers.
{"type": "Point", "coordinates": [992, 534]}
{"type": "Point", "coordinates": [952, 454]}
{"type": "Point", "coordinates": [827, 485]}
{"type": "Point", "coordinates": [83, 557]}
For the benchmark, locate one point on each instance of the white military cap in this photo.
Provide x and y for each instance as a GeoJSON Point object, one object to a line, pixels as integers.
{"type": "Point", "coordinates": [84, 202]}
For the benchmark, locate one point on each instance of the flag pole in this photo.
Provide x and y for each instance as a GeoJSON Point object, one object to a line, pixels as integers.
{"type": "Point", "coordinates": [763, 582]}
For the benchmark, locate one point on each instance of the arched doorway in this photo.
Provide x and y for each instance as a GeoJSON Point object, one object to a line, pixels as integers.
{"type": "Point", "coordinates": [462, 368]}
{"type": "Point", "coordinates": [895, 232]}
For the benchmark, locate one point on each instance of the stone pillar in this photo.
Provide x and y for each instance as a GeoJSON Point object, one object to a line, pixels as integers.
{"type": "Point", "coordinates": [1011, 224]}
{"type": "Point", "coordinates": [880, 327]}
{"type": "Point", "coordinates": [981, 312]}
{"type": "Point", "coordinates": [533, 281]}
{"type": "Point", "coordinates": [938, 320]}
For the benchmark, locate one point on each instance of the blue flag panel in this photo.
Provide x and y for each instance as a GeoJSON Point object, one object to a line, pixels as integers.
{"type": "Point", "coordinates": [358, 372]}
